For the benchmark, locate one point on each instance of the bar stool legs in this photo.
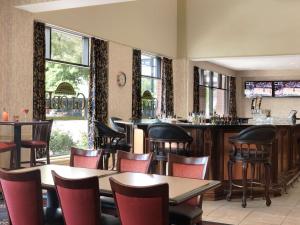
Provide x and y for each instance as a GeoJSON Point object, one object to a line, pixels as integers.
{"type": "Point", "coordinates": [244, 199]}
{"type": "Point", "coordinates": [267, 183]}
{"type": "Point", "coordinates": [229, 167]}
{"type": "Point", "coordinates": [267, 170]}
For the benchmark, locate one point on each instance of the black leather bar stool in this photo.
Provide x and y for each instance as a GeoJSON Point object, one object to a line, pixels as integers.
{"type": "Point", "coordinates": [117, 127]}
{"type": "Point", "coordinates": [252, 146]}
{"type": "Point", "coordinates": [167, 138]}
{"type": "Point", "coordinates": [110, 141]}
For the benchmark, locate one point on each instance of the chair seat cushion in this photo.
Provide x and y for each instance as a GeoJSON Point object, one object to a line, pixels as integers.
{"type": "Point", "coordinates": [34, 144]}
{"type": "Point", "coordinates": [109, 220]}
{"type": "Point", "coordinates": [6, 146]}
{"type": "Point", "coordinates": [184, 214]}
{"type": "Point", "coordinates": [107, 202]}
{"type": "Point", "coordinates": [53, 216]}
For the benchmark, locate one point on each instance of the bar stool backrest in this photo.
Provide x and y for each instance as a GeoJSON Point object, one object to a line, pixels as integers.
{"type": "Point", "coordinates": [116, 126]}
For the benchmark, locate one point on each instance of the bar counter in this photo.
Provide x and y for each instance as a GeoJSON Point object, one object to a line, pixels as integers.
{"type": "Point", "coordinates": [212, 140]}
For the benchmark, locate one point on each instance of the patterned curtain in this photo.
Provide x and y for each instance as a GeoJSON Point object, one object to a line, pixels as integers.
{"type": "Point", "coordinates": [98, 86]}
{"type": "Point", "coordinates": [136, 84]}
{"type": "Point", "coordinates": [39, 96]}
{"type": "Point", "coordinates": [196, 105]}
{"type": "Point", "coordinates": [232, 97]}
{"type": "Point", "coordinates": [167, 103]}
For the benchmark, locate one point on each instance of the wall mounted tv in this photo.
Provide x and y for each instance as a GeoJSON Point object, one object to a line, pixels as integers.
{"type": "Point", "coordinates": [258, 88]}
{"type": "Point", "coordinates": [286, 88]}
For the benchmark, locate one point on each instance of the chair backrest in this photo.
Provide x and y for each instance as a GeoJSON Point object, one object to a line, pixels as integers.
{"type": "Point", "coordinates": [263, 134]}
{"type": "Point", "coordinates": [189, 167]}
{"type": "Point", "coordinates": [141, 205]}
{"type": "Point", "coordinates": [130, 162]}
{"type": "Point", "coordinates": [86, 158]}
{"type": "Point", "coordinates": [165, 137]}
{"type": "Point", "coordinates": [118, 127]}
{"type": "Point", "coordinates": [104, 134]}
{"type": "Point", "coordinates": [23, 197]}
{"type": "Point", "coordinates": [79, 200]}
{"type": "Point", "coordinates": [42, 132]}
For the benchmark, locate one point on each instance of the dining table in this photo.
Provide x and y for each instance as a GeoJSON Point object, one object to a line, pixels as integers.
{"type": "Point", "coordinates": [17, 126]}
{"type": "Point", "coordinates": [180, 189]}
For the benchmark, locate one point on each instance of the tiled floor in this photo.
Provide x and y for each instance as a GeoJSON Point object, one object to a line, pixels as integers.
{"type": "Point", "coordinates": [284, 210]}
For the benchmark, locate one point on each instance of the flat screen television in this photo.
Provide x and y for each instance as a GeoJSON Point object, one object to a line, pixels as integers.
{"type": "Point", "coordinates": [287, 88]}
{"type": "Point", "coordinates": [258, 88]}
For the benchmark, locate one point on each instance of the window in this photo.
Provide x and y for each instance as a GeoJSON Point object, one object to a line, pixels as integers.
{"type": "Point", "coordinates": [213, 92]}
{"type": "Point", "coordinates": [67, 77]}
{"type": "Point", "coordinates": [151, 86]}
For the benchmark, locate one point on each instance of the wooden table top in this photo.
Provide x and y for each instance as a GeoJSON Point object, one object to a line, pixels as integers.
{"type": "Point", "coordinates": [180, 189]}
{"type": "Point", "coordinates": [67, 172]}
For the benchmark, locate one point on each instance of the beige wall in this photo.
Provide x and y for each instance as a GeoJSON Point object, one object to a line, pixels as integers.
{"type": "Point", "coordinates": [280, 107]}
{"type": "Point", "coordinates": [242, 28]}
{"type": "Point", "coordinates": [148, 25]}
{"type": "Point", "coordinates": [119, 98]}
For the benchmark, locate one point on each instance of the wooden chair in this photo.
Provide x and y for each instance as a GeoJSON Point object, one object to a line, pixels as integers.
{"type": "Point", "coordinates": [127, 162]}
{"type": "Point", "coordinates": [8, 147]}
{"type": "Point", "coordinates": [141, 205]}
{"type": "Point", "coordinates": [23, 198]}
{"type": "Point", "coordinates": [40, 142]}
{"type": "Point", "coordinates": [86, 158]}
{"type": "Point", "coordinates": [167, 138]}
{"type": "Point", "coordinates": [130, 162]}
{"type": "Point", "coordinates": [79, 200]}
{"type": "Point", "coordinates": [189, 212]}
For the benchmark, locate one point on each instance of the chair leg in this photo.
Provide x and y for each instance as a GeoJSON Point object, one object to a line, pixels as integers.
{"type": "Point", "coordinates": [48, 155]}
{"type": "Point", "coordinates": [229, 168]}
{"type": "Point", "coordinates": [244, 199]}
{"type": "Point", "coordinates": [105, 161]}
{"type": "Point", "coordinates": [11, 161]}
{"type": "Point", "coordinates": [267, 183]}
{"type": "Point", "coordinates": [32, 157]}
{"type": "Point", "coordinates": [113, 158]}
{"type": "Point", "coordinates": [252, 180]}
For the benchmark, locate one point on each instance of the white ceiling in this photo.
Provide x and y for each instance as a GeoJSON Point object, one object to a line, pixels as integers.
{"type": "Point", "coordinates": [283, 62]}
{"type": "Point", "coordinates": [65, 4]}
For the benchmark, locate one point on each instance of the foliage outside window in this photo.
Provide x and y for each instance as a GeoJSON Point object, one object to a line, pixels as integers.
{"type": "Point", "coordinates": [67, 77]}
{"type": "Point", "coordinates": [151, 86]}
{"type": "Point", "coordinates": [213, 92]}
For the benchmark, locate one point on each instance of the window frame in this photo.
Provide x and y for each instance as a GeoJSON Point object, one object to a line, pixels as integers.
{"type": "Point", "coordinates": [85, 51]}
{"type": "Point", "coordinates": [211, 88]}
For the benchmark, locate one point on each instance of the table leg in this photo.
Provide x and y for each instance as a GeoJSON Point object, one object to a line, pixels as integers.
{"type": "Point", "coordinates": [17, 140]}
{"type": "Point", "coordinates": [52, 199]}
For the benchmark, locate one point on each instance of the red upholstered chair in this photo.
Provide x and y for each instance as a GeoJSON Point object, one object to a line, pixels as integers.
{"type": "Point", "coordinates": [40, 141]}
{"type": "Point", "coordinates": [86, 158]}
{"type": "Point", "coordinates": [8, 147]}
{"type": "Point", "coordinates": [141, 205]}
{"type": "Point", "coordinates": [127, 162]}
{"type": "Point", "coordinates": [23, 198]}
{"type": "Point", "coordinates": [79, 200]}
{"type": "Point", "coordinates": [189, 212]}
{"type": "Point", "coordinates": [130, 162]}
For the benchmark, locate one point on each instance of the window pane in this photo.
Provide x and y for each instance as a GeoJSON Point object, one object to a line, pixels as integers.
{"type": "Point", "coordinates": [215, 80]}
{"type": "Point", "coordinates": [151, 103]}
{"type": "Point", "coordinates": [204, 100]}
{"type": "Point", "coordinates": [151, 66]}
{"type": "Point", "coordinates": [201, 77]}
{"type": "Point", "coordinates": [66, 103]}
{"type": "Point", "coordinates": [67, 47]}
{"type": "Point", "coordinates": [224, 80]}
{"type": "Point", "coordinates": [219, 101]}
{"type": "Point", "coordinates": [206, 77]}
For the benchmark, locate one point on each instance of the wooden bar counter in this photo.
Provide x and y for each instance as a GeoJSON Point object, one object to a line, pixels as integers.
{"type": "Point", "coordinates": [212, 140]}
